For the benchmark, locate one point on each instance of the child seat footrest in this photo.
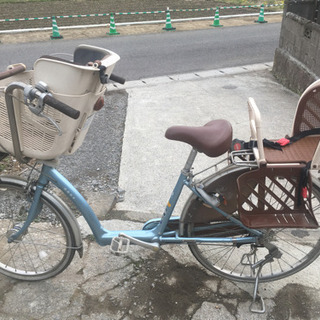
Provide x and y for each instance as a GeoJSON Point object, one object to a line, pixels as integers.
{"type": "Point", "coordinates": [280, 220]}
{"type": "Point", "coordinates": [271, 197]}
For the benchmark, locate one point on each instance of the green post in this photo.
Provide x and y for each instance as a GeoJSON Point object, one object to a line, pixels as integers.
{"type": "Point", "coordinates": [261, 16]}
{"type": "Point", "coordinates": [55, 30]}
{"type": "Point", "coordinates": [168, 26]}
{"type": "Point", "coordinates": [216, 22]}
{"type": "Point", "coordinates": [113, 30]}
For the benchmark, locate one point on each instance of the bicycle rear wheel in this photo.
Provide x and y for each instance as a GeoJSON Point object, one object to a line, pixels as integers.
{"type": "Point", "coordinates": [45, 249]}
{"type": "Point", "coordinates": [298, 247]}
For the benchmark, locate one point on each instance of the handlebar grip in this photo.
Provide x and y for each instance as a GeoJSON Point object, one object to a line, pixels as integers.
{"type": "Point", "coordinates": [62, 107]}
{"type": "Point", "coordinates": [12, 70]}
{"type": "Point", "coordinates": [118, 79]}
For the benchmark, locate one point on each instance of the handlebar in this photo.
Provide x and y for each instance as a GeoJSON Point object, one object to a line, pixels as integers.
{"type": "Point", "coordinates": [116, 78]}
{"type": "Point", "coordinates": [62, 107]}
{"type": "Point", "coordinates": [112, 77]}
{"type": "Point", "coordinates": [44, 97]}
{"type": "Point", "coordinates": [12, 70]}
{"type": "Point", "coordinates": [30, 94]}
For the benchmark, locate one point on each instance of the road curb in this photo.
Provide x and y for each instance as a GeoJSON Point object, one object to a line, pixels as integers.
{"type": "Point", "coordinates": [191, 76]}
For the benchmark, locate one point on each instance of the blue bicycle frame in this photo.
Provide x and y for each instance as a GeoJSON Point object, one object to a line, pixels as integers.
{"type": "Point", "coordinates": [157, 234]}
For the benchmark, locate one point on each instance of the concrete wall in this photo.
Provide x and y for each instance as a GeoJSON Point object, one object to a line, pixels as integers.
{"type": "Point", "coordinates": [297, 60]}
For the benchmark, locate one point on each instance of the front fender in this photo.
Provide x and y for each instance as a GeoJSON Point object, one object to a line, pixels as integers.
{"type": "Point", "coordinates": [56, 202]}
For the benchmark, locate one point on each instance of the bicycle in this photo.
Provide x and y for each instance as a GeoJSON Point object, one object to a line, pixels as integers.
{"type": "Point", "coordinates": [249, 221]}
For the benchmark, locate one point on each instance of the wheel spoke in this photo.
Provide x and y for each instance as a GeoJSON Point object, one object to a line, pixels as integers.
{"type": "Point", "coordinates": [44, 249]}
{"type": "Point", "coordinates": [298, 247]}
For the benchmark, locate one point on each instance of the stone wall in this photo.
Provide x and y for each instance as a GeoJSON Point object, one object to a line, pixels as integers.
{"type": "Point", "coordinates": [296, 62]}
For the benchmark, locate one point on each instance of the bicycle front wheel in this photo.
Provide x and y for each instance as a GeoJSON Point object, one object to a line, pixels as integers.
{"type": "Point", "coordinates": [298, 247]}
{"type": "Point", "coordinates": [45, 249]}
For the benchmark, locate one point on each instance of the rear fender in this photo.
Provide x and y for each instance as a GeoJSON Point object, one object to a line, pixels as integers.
{"type": "Point", "coordinates": [223, 182]}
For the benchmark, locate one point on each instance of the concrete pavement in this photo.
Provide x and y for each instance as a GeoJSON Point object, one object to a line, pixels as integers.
{"type": "Point", "coordinates": [150, 163]}
{"type": "Point", "coordinates": [169, 284]}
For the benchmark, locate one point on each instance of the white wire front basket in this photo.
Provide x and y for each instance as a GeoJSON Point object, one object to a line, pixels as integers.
{"type": "Point", "coordinates": [74, 83]}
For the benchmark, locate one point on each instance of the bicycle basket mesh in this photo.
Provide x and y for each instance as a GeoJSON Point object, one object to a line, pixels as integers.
{"type": "Point", "coordinates": [5, 133]}
{"type": "Point", "coordinates": [38, 137]}
{"type": "Point", "coordinates": [38, 133]}
{"type": "Point", "coordinates": [76, 84]}
{"type": "Point", "coordinates": [4, 122]}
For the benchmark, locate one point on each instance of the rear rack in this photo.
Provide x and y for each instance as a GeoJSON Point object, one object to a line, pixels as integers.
{"type": "Point", "coordinates": [244, 158]}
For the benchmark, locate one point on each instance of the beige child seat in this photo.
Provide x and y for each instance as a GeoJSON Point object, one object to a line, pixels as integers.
{"type": "Point", "coordinates": [76, 83]}
{"type": "Point", "coordinates": [280, 189]}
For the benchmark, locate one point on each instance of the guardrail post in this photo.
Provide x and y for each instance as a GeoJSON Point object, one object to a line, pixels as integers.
{"type": "Point", "coordinates": [168, 26]}
{"type": "Point", "coordinates": [55, 30]}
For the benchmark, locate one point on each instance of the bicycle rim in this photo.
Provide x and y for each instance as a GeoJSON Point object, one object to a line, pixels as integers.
{"type": "Point", "coordinates": [44, 250]}
{"type": "Point", "coordinates": [298, 248]}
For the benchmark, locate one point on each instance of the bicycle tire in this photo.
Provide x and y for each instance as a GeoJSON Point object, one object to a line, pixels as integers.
{"type": "Point", "coordinates": [46, 249]}
{"type": "Point", "coordinates": [299, 247]}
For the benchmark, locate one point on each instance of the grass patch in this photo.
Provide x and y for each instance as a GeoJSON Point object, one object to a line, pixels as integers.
{"type": "Point", "coordinates": [19, 1]}
{"type": "Point", "coordinates": [252, 2]}
{"type": "Point", "coordinates": [5, 164]}
{"type": "Point", "coordinates": [231, 2]}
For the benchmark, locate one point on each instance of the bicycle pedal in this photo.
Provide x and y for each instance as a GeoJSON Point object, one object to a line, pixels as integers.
{"type": "Point", "coordinates": [119, 245]}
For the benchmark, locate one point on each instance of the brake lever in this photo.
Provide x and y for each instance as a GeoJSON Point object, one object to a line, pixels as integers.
{"type": "Point", "coordinates": [29, 95]}
{"type": "Point", "coordinates": [52, 122]}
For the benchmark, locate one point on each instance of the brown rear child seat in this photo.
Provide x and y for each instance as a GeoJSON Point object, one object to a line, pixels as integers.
{"type": "Point", "coordinates": [280, 189]}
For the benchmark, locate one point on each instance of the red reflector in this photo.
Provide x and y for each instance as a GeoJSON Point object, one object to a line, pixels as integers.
{"type": "Point", "coordinates": [237, 146]}
{"type": "Point", "coordinates": [99, 104]}
{"type": "Point", "coordinates": [304, 193]}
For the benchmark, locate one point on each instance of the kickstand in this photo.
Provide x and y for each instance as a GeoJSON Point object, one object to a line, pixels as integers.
{"type": "Point", "coordinates": [274, 252]}
{"type": "Point", "coordinates": [257, 299]}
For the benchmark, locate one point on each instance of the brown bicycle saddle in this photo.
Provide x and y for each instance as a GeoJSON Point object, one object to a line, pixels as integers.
{"type": "Point", "coordinates": [213, 139]}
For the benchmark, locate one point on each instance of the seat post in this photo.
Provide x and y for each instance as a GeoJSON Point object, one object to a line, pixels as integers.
{"type": "Point", "coordinates": [190, 160]}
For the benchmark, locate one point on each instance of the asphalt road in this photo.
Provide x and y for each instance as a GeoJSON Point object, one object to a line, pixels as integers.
{"type": "Point", "coordinates": [142, 56]}
{"type": "Point", "coordinates": [103, 286]}
{"type": "Point", "coordinates": [166, 53]}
